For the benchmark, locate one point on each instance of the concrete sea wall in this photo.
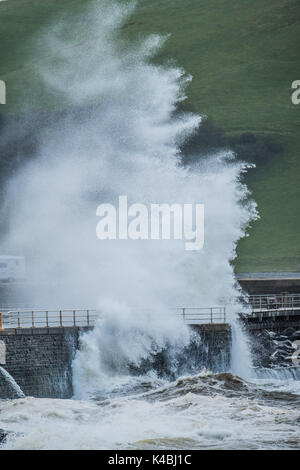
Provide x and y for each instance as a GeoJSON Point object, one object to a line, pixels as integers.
{"type": "Point", "coordinates": [38, 361]}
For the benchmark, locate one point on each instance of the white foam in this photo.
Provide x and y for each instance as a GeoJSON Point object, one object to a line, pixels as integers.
{"type": "Point", "coordinates": [128, 144]}
{"type": "Point", "coordinates": [11, 381]}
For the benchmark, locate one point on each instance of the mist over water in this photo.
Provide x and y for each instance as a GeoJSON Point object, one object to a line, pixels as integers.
{"type": "Point", "coordinates": [119, 136]}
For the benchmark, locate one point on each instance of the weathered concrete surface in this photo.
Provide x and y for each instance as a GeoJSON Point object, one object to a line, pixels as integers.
{"type": "Point", "coordinates": [269, 283]}
{"type": "Point", "coordinates": [213, 327]}
{"type": "Point", "coordinates": [273, 325]}
{"type": "Point", "coordinates": [39, 360]}
{"type": "Point", "coordinates": [210, 348]}
{"type": "Point", "coordinates": [214, 350]}
{"type": "Point", "coordinates": [274, 320]}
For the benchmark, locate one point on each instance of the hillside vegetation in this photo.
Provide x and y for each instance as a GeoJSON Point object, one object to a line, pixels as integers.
{"type": "Point", "coordinates": [243, 56]}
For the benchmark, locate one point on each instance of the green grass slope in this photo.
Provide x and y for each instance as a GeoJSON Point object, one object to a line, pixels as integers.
{"type": "Point", "coordinates": [243, 56]}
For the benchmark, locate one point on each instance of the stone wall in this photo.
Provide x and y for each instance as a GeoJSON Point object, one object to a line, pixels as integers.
{"type": "Point", "coordinates": [39, 360]}
{"type": "Point", "coordinates": [214, 350]}
{"type": "Point", "coordinates": [210, 348]}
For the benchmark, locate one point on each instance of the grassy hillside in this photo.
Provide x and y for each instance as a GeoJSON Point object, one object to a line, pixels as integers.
{"type": "Point", "coordinates": [243, 56]}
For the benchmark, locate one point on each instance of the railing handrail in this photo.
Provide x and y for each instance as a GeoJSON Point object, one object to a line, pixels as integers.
{"type": "Point", "coordinates": [274, 301]}
{"type": "Point", "coordinates": [35, 317]}
{"type": "Point", "coordinates": [208, 314]}
{"type": "Point", "coordinates": [24, 318]}
{"type": "Point", "coordinates": [198, 308]}
{"type": "Point", "coordinates": [270, 296]}
{"type": "Point", "coordinates": [280, 294]}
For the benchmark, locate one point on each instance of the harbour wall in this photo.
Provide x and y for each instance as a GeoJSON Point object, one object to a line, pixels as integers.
{"type": "Point", "coordinates": [39, 360]}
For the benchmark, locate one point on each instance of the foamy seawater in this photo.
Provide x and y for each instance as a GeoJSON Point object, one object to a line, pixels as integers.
{"type": "Point", "coordinates": [205, 411]}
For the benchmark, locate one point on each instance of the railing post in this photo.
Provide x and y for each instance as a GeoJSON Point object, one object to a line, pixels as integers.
{"type": "Point", "coordinates": [183, 314]}
{"type": "Point", "coordinates": [74, 317]}
{"type": "Point", "coordinates": [224, 314]}
{"type": "Point", "coordinates": [47, 319]}
{"type": "Point", "coordinates": [60, 319]}
{"type": "Point", "coordinates": [1, 326]}
{"type": "Point", "coordinates": [32, 319]}
{"type": "Point", "coordinates": [88, 317]}
{"type": "Point", "coordinates": [19, 323]}
{"type": "Point", "coordinates": [211, 315]}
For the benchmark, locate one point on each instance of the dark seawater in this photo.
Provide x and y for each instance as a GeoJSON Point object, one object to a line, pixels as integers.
{"type": "Point", "coordinates": [204, 411]}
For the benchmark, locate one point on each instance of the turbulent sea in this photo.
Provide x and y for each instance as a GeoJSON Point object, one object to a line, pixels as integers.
{"type": "Point", "coordinates": [204, 411]}
{"type": "Point", "coordinates": [120, 132]}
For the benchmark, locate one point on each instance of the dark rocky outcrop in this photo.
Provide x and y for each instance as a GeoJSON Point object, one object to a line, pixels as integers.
{"type": "Point", "coordinates": [274, 348]}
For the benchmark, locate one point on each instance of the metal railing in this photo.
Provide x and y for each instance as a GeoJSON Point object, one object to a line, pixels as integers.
{"type": "Point", "coordinates": [34, 318]}
{"type": "Point", "coordinates": [47, 318]}
{"type": "Point", "coordinates": [201, 315]}
{"type": "Point", "coordinates": [274, 302]}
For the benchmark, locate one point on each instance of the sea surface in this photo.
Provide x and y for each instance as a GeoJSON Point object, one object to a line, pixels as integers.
{"type": "Point", "coordinates": [121, 133]}
{"type": "Point", "coordinates": [204, 411]}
